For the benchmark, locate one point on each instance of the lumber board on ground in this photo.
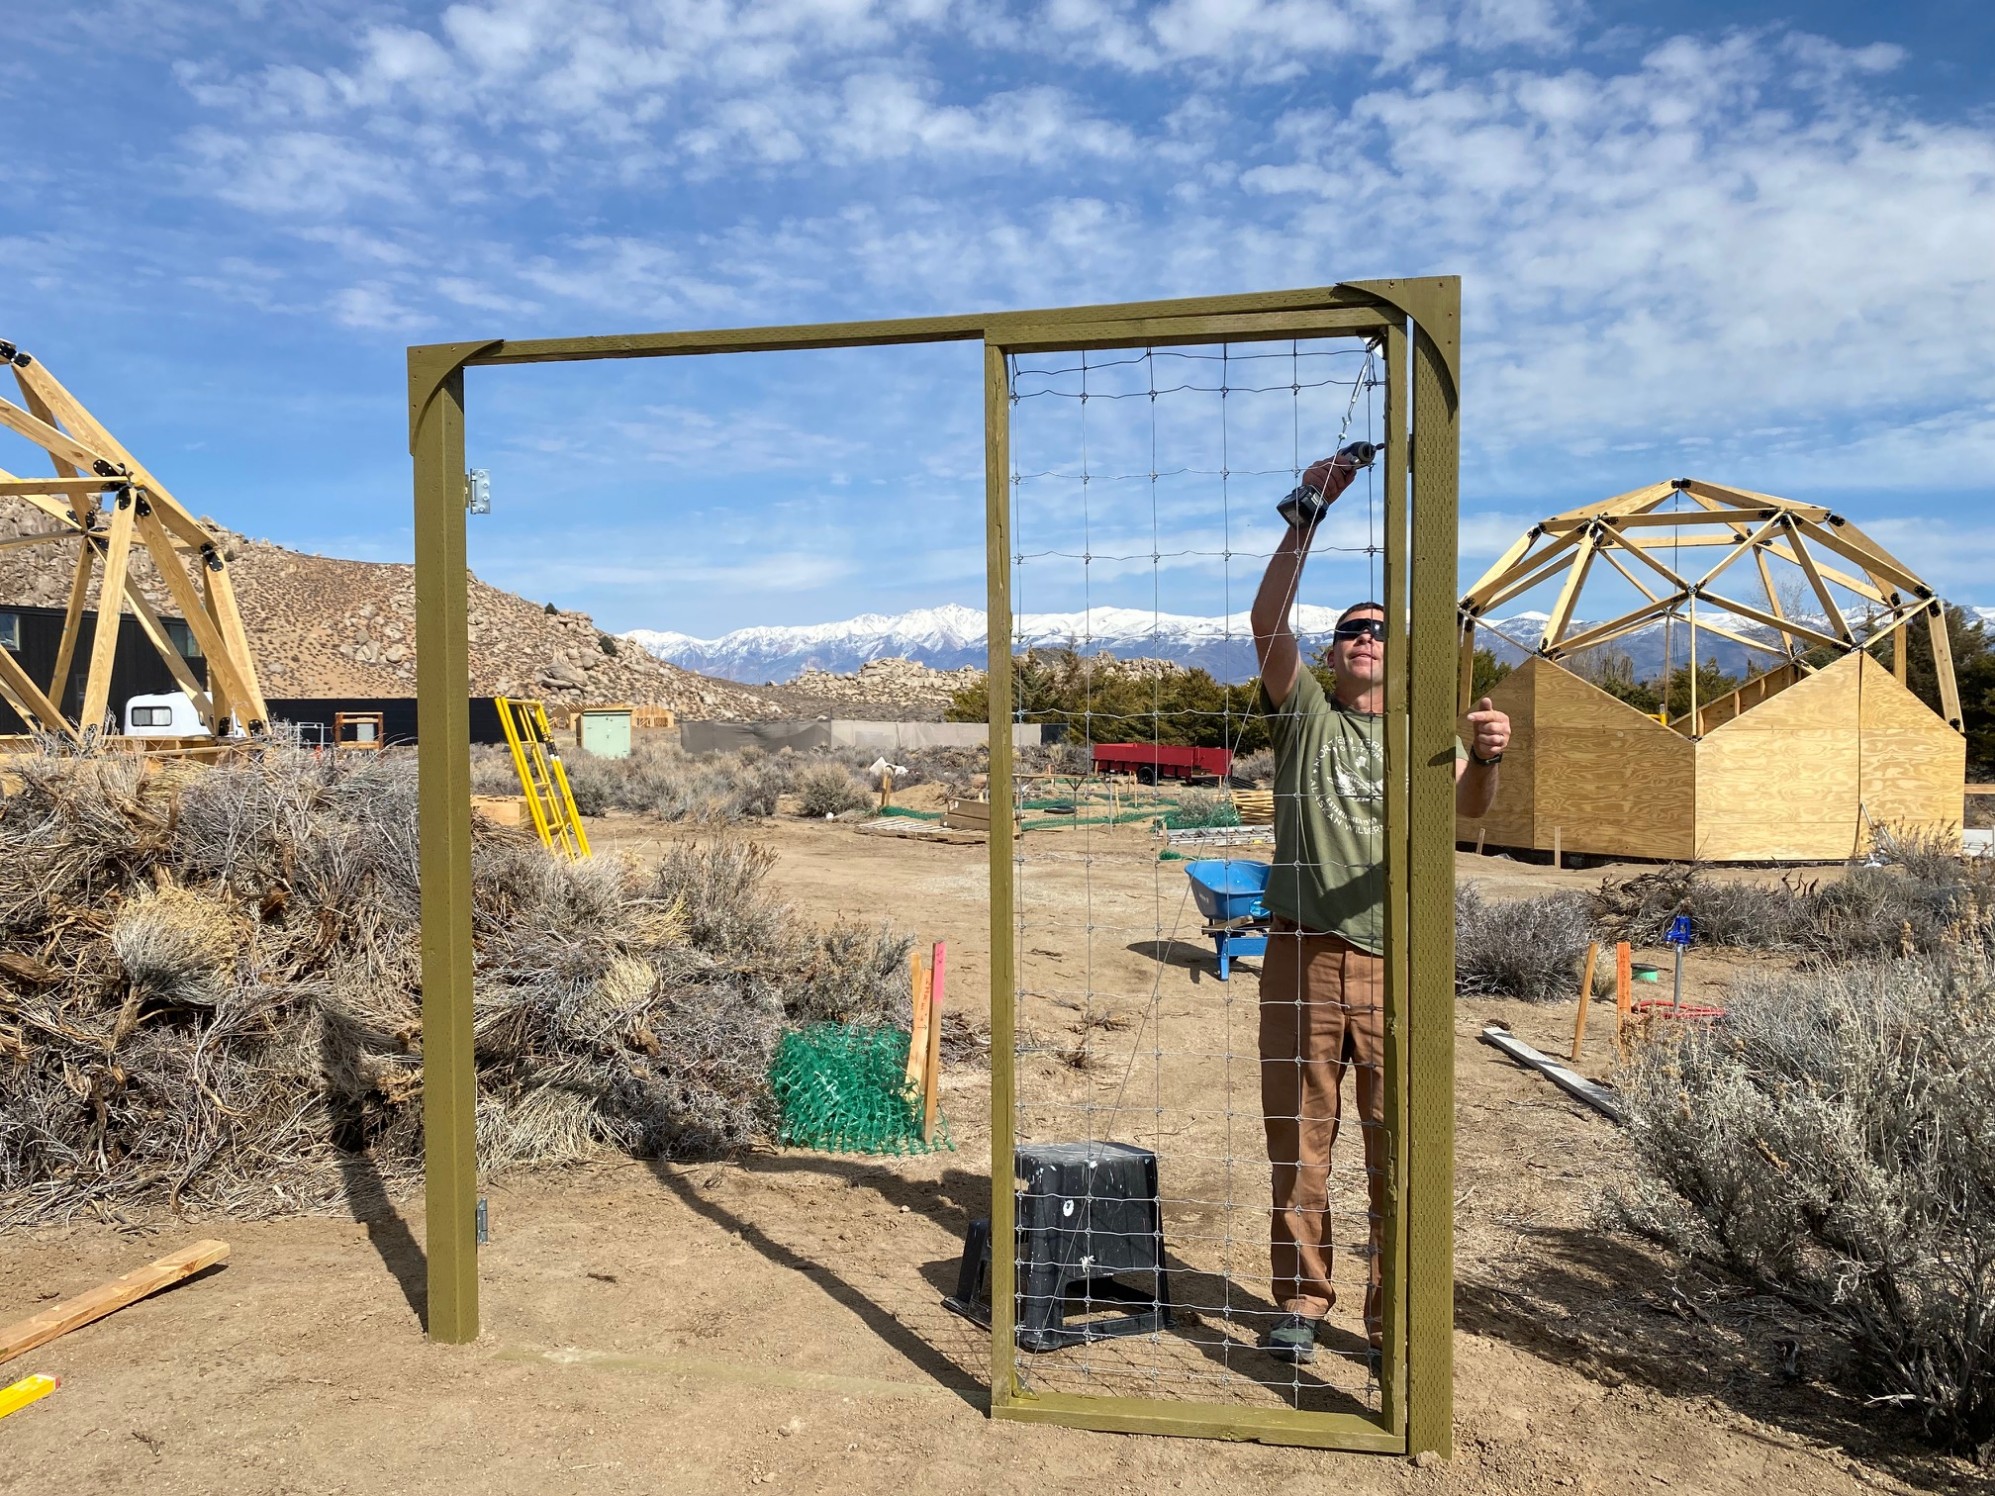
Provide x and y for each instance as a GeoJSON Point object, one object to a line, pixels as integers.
{"type": "Point", "coordinates": [1597, 1096]}
{"type": "Point", "coordinates": [72, 1314]}
{"type": "Point", "coordinates": [971, 815]}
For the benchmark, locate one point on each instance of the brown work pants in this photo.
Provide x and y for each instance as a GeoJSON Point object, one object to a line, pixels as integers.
{"type": "Point", "coordinates": [1322, 1009]}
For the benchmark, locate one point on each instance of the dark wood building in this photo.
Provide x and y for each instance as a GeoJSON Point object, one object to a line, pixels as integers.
{"type": "Point", "coordinates": [34, 637]}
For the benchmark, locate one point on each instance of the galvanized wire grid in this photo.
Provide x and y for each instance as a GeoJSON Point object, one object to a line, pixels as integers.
{"type": "Point", "coordinates": [1125, 466]}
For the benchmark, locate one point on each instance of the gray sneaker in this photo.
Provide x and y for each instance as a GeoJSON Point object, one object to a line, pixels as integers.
{"type": "Point", "coordinates": [1292, 1338]}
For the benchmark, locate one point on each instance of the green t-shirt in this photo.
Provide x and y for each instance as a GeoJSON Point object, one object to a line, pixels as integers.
{"type": "Point", "coordinates": [1329, 870]}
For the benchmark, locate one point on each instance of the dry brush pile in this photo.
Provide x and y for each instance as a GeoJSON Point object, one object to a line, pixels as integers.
{"type": "Point", "coordinates": [209, 987]}
{"type": "Point", "coordinates": [659, 779]}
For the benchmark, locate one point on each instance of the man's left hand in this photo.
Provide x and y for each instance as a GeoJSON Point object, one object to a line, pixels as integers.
{"type": "Point", "coordinates": [1490, 729]}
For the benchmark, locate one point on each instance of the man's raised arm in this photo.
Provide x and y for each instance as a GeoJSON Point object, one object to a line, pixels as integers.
{"type": "Point", "coordinates": [1274, 636]}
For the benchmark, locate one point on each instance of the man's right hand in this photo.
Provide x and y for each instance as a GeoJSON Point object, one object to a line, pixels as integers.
{"type": "Point", "coordinates": [1323, 482]}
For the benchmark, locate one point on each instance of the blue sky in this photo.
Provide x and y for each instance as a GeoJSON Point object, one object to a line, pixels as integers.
{"type": "Point", "coordinates": [1748, 243]}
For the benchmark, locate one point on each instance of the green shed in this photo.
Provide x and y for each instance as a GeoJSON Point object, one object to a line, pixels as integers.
{"type": "Point", "coordinates": [604, 731]}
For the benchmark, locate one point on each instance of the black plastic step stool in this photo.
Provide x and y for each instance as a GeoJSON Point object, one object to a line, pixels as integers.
{"type": "Point", "coordinates": [1088, 1215]}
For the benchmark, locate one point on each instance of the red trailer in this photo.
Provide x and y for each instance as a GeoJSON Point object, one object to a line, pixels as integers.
{"type": "Point", "coordinates": [1151, 762]}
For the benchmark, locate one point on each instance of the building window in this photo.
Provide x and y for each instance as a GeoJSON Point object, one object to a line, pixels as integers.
{"type": "Point", "coordinates": [10, 631]}
{"type": "Point", "coordinates": [182, 638]}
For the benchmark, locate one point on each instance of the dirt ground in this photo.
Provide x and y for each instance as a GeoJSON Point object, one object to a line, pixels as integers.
{"type": "Point", "coordinates": [777, 1321]}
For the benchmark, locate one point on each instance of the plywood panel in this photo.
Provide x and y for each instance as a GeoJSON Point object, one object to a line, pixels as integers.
{"type": "Point", "coordinates": [1508, 823]}
{"type": "Point", "coordinates": [1780, 782]}
{"type": "Point", "coordinates": [1716, 714]}
{"type": "Point", "coordinates": [1911, 765]}
{"type": "Point", "coordinates": [1609, 780]}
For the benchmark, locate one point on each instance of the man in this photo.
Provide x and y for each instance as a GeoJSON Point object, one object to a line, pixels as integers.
{"type": "Point", "coordinates": [1323, 978]}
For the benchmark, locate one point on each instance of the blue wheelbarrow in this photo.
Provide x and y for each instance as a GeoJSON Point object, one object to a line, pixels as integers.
{"type": "Point", "coordinates": [1233, 898]}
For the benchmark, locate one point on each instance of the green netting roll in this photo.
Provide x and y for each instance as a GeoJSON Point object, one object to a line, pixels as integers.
{"type": "Point", "coordinates": [843, 1089]}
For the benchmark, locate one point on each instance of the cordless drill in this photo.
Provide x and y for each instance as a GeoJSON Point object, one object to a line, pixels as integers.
{"type": "Point", "coordinates": [1305, 505]}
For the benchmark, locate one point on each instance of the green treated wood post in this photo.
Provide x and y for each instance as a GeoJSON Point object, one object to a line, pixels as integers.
{"type": "Point", "coordinates": [997, 633]}
{"type": "Point", "coordinates": [1430, 1205]}
{"type": "Point", "coordinates": [1392, 1363]}
{"type": "Point", "coordinates": [443, 691]}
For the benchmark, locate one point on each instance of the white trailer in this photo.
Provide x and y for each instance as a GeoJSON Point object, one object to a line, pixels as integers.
{"type": "Point", "coordinates": [167, 716]}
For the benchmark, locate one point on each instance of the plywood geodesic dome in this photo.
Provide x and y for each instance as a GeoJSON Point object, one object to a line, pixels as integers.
{"type": "Point", "coordinates": [1804, 762]}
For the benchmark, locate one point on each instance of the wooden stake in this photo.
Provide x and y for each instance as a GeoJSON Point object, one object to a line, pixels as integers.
{"type": "Point", "coordinates": [39, 1329]}
{"type": "Point", "coordinates": [1624, 997]}
{"type": "Point", "coordinates": [917, 1035]}
{"type": "Point", "coordinates": [1558, 846]}
{"type": "Point", "coordinates": [931, 1079]}
{"type": "Point", "coordinates": [1585, 997]}
{"type": "Point", "coordinates": [1480, 833]}
{"type": "Point", "coordinates": [886, 788]}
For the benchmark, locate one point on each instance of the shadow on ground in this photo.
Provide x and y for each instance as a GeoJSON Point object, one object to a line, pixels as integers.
{"type": "Point", "coordinates": [367, 1195]}
{"type": "Point", "coordinates": [942, 1202]}
{"type": "Point", "coordinates": [1616, 1311]}
{"type": "Point", "coordinates": [951, 1203]}
{"type": "Point", "coordinates": [1192, 956]}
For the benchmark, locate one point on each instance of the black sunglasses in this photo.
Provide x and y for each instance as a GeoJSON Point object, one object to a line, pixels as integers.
{"type": "Point", "coordinates": [1361, 628]}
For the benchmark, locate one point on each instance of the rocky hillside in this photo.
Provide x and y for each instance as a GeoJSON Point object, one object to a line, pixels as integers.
{"type": "Point", "coordinates": [885, 690]}
{"type": "Point", "coordinates": [321, 626]}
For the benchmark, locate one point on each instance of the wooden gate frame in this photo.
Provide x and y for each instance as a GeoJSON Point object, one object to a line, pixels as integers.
{"type": "Point", "coordinates": [1417, 325]}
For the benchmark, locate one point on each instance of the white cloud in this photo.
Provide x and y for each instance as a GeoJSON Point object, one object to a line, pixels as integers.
{"type": "Point", "coordinates": [1284, 39]}
{"type": "Point", "coordinates": [294, 172]}
{"type": "Point", "coordinates": [1751, 254]}
{"type": "Point", "coordinates": [373, 305]}
{"type": "Point", "coordinates": [1729, 227]}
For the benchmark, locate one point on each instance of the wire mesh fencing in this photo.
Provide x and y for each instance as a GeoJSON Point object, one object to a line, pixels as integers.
{"type": "Point", "coordinates": [1202, 1146]}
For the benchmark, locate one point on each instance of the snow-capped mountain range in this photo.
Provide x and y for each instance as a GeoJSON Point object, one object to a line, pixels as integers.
{"type": "Point", "coordinates": [950, 636]}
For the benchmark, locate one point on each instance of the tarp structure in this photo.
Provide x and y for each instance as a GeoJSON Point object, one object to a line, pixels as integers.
{"type": "Point", "coordinates": [882, 737]}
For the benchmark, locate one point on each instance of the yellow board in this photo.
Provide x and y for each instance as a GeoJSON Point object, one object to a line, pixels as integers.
{"type": "Point", "coordinates": [28, 1389]}
{"type": "Point", "coordinates": [549, 802]}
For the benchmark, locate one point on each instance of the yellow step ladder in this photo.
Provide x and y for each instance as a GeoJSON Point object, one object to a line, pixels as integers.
{"type": "Point", "coordinates": [548, 798]}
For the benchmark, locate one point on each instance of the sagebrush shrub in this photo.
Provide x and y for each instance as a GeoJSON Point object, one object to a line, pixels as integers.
{"type": "Point", "coordinates": [1525, 948]}
{"type": "Point", "coordinates": [1832, 1141]}
{"type": "Point", "coordinates": [830, 789]}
